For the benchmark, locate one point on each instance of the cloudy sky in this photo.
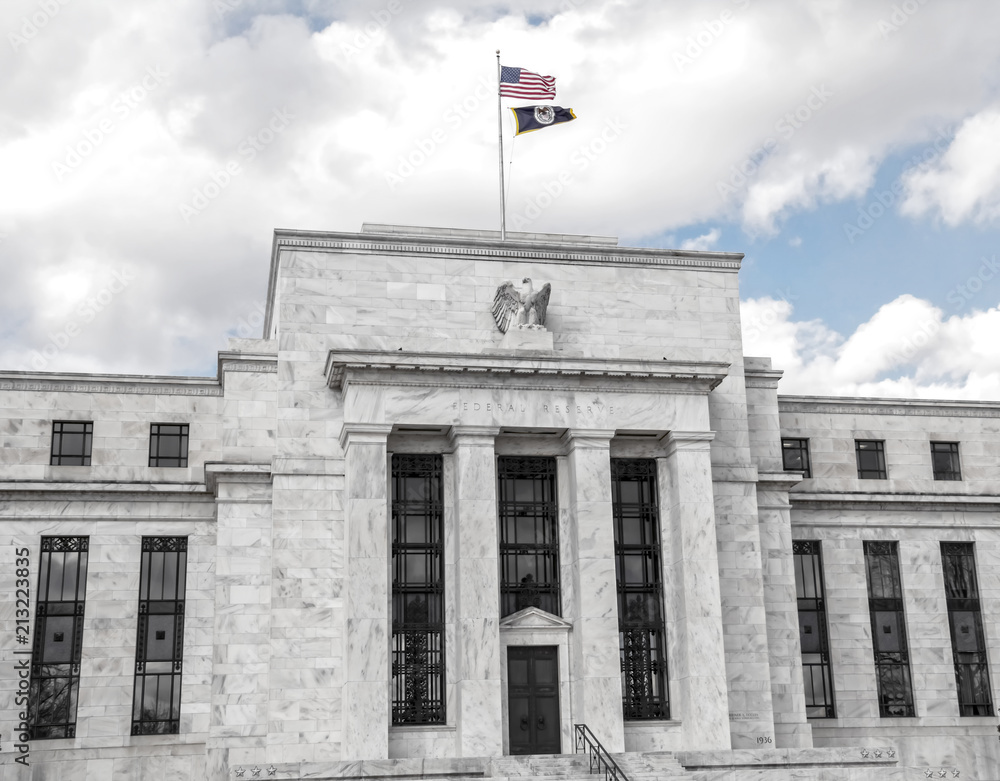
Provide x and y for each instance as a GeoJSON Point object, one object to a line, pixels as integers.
{"type": "Point", "coordinates": [848, 147]}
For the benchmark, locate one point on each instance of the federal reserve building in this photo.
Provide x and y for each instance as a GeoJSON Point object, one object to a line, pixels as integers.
{"type": "Point", "coordinates": [474, 509]}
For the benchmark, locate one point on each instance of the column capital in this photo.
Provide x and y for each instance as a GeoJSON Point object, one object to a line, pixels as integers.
{"type": "Point", "coordinates": [689, 440]}
{"type": "Point", "coordinates": [587, 439]}
{"type": "Point", "coordinates": [364, 434]}
{"type": "Point", "coordinates": [472, 436]}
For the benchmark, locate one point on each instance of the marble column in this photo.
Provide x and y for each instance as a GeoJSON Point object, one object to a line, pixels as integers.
{"type": "Point", "coordinates": [593, 608]}
{"type": "Point", "coordinates": [237, 732]}
{"type": "Point", "coordinates": [478, 684]}
{"type": "Point", "coordinates": [791, 728]}
{"type": "Point", "coordinates": [365, 726]}
{"type": "Point", "coordinates": [699, 698]}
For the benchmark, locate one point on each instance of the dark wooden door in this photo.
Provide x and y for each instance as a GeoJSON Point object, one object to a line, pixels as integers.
{"type": "Point", "coordinates": [533, 699]}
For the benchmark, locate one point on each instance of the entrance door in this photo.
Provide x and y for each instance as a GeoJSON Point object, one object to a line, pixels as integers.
{"type": "Point", "coordinates": [533, 699]}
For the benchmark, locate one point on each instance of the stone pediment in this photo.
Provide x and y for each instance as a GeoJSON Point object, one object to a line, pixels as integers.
{"type": "Point", "coordinates": [535, 619]}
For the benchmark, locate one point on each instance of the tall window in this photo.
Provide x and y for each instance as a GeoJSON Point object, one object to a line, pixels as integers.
{"type": "Point", "coordinates": [71, 443]}
{"type": "Point", "coordinates": [944, 461]}
{"type": "Point", "coordinates": [529, 534]}
{"type": "Point", "coordinates": [159, 646]}
{"type": "Point", "coordinates": [795, 455]}
{"type": "Point", "coordinates": [417, 590]}
{"type": "Point", "coordinates": [885, 607]}
{"type": "Point", "coordinates": [968, 640]}
{"type": "Point", "coordinates": [168, 444]}
{"type": "Point", "coordinates": [58, 645]}
{"type": "Point", "coordinates": [641, 631]}
{"type": "Point", "coordinates": [871, 459]}
{"type": "Point", "coordinates": [817, 674]}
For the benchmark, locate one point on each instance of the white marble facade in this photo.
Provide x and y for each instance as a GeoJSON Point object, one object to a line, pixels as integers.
{"type": "Point", "coordinates": [383, 342]}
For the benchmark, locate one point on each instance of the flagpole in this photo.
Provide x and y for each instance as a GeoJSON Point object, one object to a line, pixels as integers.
{"type": "Point", "coordinates": [503, 197]}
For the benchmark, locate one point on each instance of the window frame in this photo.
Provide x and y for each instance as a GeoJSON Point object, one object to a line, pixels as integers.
{"type": "Point", "coordinates": [968, 671]}
{"type": "Point", "coordinates": [642, 642]}
{"type": "Point", "coordinates": [520, 593]}
{"type": "Point", "coordinates": [952, 474]}
{"type": "Point", "coordinates": [155, 440]}
{"type": "Point", "coordinates": [58, 611]}
{"type": "Point", "coordinates": [57, 456]}
{"type": "Point", "coordinates": [888, 661]}
{"type": "Point", "coordinates": [169, 607]}
{"type": "Point", "coordinates": [814, 604]}
{"type": "Point", "coordinates": [803, 449]}
{"type": "Point", "coordinates": [881, 472]}
{"type": "Point", "coordinates": [417, 648]}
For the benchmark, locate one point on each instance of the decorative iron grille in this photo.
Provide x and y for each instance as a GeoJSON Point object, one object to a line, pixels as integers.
{"type": "Point", "coordinates": [641, 628]}
{"type": "Point", "coordinates": [968, 638]}
{"type": "Point", "coordinates": [159, 647]}
{"type": "Point", "coordinates": [888, 622]}
{"type": "Point", "coordinates": [418, 669]}
{"type": "Point", "coordinates": [817, 671]}
{"type": "Point", "coordinates": [529, 534]}
{"type": "Point", "coordinates": [58, 642]}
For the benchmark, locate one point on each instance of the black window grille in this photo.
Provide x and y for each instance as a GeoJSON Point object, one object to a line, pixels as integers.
{"type": "Point", "coordinates": [885, 607]}
{"type": "Point", "coordinates": [871, 459]}
{"type": "Point", "coordinates": [641, 629]}
{"type": "Point", "coordinates": [795, 456]}
{"type": "Point", "coordinates": [817, 671]}
{"type": "Point", "coordinates": [529, 534]}
{"type": "Point", "coordinates": [968, 639]}
{"type": "Point", "coordinates": [944, 460]}
{"type": "Point", "coordinates": [168, 444]}
{"type": "Point", "coordinates": [159, 646]}
{"type": "Point", "coordinates": [58, 643]}
{"type": "Point", "coordinates": [418, 669]}
{"type": "Point", "coordinates": [71, 443]}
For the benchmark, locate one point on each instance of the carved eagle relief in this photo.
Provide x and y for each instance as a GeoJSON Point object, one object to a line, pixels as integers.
{"type": "Point", "coordinates": [524, 309]}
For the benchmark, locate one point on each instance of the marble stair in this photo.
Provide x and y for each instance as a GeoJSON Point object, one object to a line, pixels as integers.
{"type": "Point", "coordinates": [576, 767]}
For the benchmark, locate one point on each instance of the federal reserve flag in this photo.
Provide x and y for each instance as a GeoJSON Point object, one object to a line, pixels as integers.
{"type": "Point", "coordinates": [519, 83]}
{"type": "Point", "coordinates": [528, 118]}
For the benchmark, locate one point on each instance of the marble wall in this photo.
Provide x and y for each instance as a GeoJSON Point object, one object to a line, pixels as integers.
{"type": "Point", "coordinates": [918, 512]}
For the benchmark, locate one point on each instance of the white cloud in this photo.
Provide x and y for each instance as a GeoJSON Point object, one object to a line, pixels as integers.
{"type": "Point", "coordinates": [372, 94]}
{"type": "Point", "coordinates": [908, 348]}
{"type": "Point", "coordinates": [704, 242]}
{"type": "Point", "coordinates": [964, 183]}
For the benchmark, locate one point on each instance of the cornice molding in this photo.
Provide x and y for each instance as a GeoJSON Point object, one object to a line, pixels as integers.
{"type": "Point", "coordinates": [221, 472]}
{"type": "Point", "coordinates": [364, 434]}
{"type": "Point", "coordinates": [888, 502]}
{"type": "Point", "coordinates": [366, 367]}
{"type": "Point", "coordinates": [875, 406]}
{"type": "Point", "coordinates": [139, 384]}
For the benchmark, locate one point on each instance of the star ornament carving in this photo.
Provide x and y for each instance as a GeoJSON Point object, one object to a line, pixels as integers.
{"type": "Point", "coordinates": [272, 770]}
{"type": "Point", "coordinates": [240, 771]}
{"type": "Point", "coordinates": [864, 753]}
{"type": "Point", "coordinates": [255, 770]}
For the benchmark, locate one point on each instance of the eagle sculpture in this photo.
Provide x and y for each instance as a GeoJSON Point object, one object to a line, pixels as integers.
{"type": "Point", "coordinates": [525, 309]}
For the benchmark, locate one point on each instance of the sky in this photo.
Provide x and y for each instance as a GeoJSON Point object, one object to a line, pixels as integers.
{"type": "Point", "coordinates": [848, 147]}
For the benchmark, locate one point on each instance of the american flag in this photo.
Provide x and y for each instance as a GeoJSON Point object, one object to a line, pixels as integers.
{"type": "Point", "coordinates": [519, 83]}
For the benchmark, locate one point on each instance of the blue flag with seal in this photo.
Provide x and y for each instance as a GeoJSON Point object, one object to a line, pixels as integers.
{"type": "Point", "coordinates": [529, 118]}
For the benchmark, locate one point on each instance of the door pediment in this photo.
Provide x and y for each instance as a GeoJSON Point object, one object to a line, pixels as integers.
{"type": "Point", "coordinates": [535, 619]}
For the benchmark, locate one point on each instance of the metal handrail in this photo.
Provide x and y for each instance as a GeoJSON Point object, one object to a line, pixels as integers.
{"type": "Point", "coordinates": [599, 757]}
